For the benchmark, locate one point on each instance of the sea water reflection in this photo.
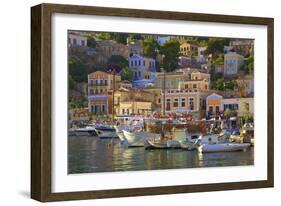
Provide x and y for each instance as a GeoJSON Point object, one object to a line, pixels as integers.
{"type": "Point", "coordinates": [91, 154]}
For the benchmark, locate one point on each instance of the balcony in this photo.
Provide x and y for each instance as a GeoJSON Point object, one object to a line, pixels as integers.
{"type": "Point", "coordinates": [97, 84]}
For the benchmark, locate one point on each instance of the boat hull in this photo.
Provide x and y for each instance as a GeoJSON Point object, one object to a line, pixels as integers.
{"type": "Point", "coordinates": [169, 144]}
{"type": "Point", "coordinates": [225, 147]}
{"type": "Point", "coordinates": [107, 134]}
{"type": "Point", "coordinates": [137, 139]}
{"type": "Point", "coordinates": [85, 132]}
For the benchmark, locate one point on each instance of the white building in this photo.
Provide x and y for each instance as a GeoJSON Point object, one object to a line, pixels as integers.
{"type": "Point", "coordinates": [232, 63]}
{"type": "Point", "coordinates": [214, 103]}
{"type": "Point", "coordinates": [144, 70]}
{"type": "Point", "coordinates": [76, 39]}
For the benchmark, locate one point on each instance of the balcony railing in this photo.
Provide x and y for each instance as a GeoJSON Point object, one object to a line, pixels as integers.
{"type": "Point", "coordinates": [98, 84]}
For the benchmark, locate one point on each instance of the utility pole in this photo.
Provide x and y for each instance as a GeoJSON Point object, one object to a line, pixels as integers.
{"type": "Point", "coordinates": [164, 90]}
{"type": "Point", "coordinates": [113, 112]}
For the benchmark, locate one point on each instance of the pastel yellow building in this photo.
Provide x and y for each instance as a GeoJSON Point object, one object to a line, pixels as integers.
{"type": "Point", "coordinates": [196, 75]}
{"type": "Point", "coordinates": [188, 100]}
{"type": "Point", "coordinates": [100, 82]}
{"type": "Point", "coordinates": [131, 101]}
{"type": "Point", "coordinates": [135, 107]}
{"type": "Point", "coordinates": [195, 84]}
{"type": "Point", "coordinates": [198, 80]}
{"type": "Point", "coordinates": [100, 87]}
{"type": "Point", "coordinates": [187, 49]}
{"type": "Point", "coordinates": [156, 96]}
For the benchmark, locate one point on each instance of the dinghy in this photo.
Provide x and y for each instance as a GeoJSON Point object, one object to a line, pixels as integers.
{"type": "Point", "coordinates": [168, 144]}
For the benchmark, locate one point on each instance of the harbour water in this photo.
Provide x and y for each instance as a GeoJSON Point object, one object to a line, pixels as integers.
{"type": "Point", "coordinates": [91, 154]}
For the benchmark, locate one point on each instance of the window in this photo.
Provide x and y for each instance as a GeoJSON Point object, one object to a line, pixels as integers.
{"type": "Point", "coordinates": [168, 104]}
{"type": "Point", "coordinates": [75, 41]}
{"type": "Point", "coordinates": [176, 102]}
{"type": "Point", "coordinates": [191, 104]}
{"type": "Point", "coordinates": [123, 111]}
{"type": "Point", "coordinates": [91, 91]}
{"type": "Point", "coordinates": [96, 82]}
{"type": "Point", "coordinates": [101, 81]}
{"type": "Point", "coordinates": [217, 109]}
{"type": "Point", "coordinates": [103, 108]}
{"type": "Point", "coordinates": [194, 86]}
{"type": "Point", "coordinates": [139, 62]}
{"type": "Point", "coordinates": [105, 82]}
{"type": "Point", "coordinates": [211, 109]}
{"type": "Point", "coordinates": [183, 102]}
{"type": "Point", "coordinates": [82, 42]}
{"type": "Point", "coordinates": [159, 101]}
{"type": "Point", "coordinates": [139, 74]}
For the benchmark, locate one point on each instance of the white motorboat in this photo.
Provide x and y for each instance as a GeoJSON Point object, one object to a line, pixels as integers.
{"type": "Point", "coordinates": [223, 147]}
{"type": "Point", "coordinates": [192, 141]}
{"type": "Point", "coordinates": [137, 138]}
{"type": "Point", "coordinates": [119, 131]}
{"type": "Point", "coordinates": [131, 124]}
{"type": "Point", "coordinates": [105, 132]}
{"type": "Point", "coordinates": [88, 131]}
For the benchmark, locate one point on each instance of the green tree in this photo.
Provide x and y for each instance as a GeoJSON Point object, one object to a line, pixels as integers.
{"type": "Point", "coordinates": [77, 69]}
{"type": "Point", "coordinates": [126, 74]}
{"type": "Point", "coordinates": [215, 46]}
{"type": "Point", "coordinates": [120, 38]}
{"type": "Point", "coordinates": [118, 60]}
{"type": "Point", "coordinates": [133, 37]}
{"type": "Point", "coordinates": [218, 61]}
{"type": "Point", "coordinates": [170, 49]}
{"type": "Point", "coordinates": [227, 112]}
{"type": "Point", "coordinates": [220, 84]}
{"type": "Point", "coordinates": [72, 105]}
{"type": "Point", "coordinates": [103, 36]}
{"type": "Point", "coordinates": [246, 112]}
{"type": "Point", "coordinates": [149, 47]}
{"type": "Point", "coordinates": [249, 65]}
{"type": "Point", "coordinates": [91, 42]}
{"type": "Point", "coordinates": [230, 84]}
{"type": "Point", "coordinates": [71, 82]}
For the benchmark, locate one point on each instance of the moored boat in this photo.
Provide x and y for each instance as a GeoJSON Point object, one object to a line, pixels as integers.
{"type": "Point", "coordinates": [223, 147]}
{"type": "Point", "coordinates": [167, 144]}
{"type": "Point", "coordinates": [88, 131]}
{"type": "Point", "coordinates": [137, 138]}
{"type": "Point", "coordinates": [105, 132]}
